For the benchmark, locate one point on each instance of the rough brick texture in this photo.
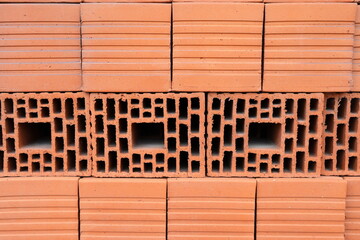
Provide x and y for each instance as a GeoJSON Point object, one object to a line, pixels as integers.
{"type": "Point", "coordinates": [45, 134]}
{"type": "Point", "coordinates": [298, 209]}
{"type": "Point", "coordinates": [356, 53]}
{"type": "Point", "coordinates": [122, 209]}
{"type": "Point", "coordinates": [217, 46]}
{"type": "Point", "coordinates": [210, 208]}
{"type": "Point", "coordinates": [40, 47]}
{"type": "Point", "coordinates": [126, 47]}
{"type": "Point", "coordinates": [341, 134]}
{"type": "Point", "coordinates": [39, 208]}
{"type": "Point", "coordinates": [262, 135]}
{"type": "Point", "coordinates": [152, 135]}
{"type": "Point", "coordinates": [352, 214]}
{"type": "Point", "coordinates": [308, 47]}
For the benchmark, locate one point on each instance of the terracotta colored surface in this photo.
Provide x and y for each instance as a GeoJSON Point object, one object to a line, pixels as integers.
{"type": "Point", "coordinates": [40, 47]}
{"type": "Point", "coordinates": [298, 209]}
{"type": "Point", "coordinates": [126, 47]}
{"type": "Point", "coordinates": [210, 208]}
{"type": "Point", "coordinates": [352, 222]}
{"type": "Point", "coordinates": [39, 208]}
{"type": "Point", "coordinates": [264, 135]}
{"type": "Point", "coordinates": [341, 134]}
{"type": "Point", "coordinates": [217, 46]}
{"type": "Point", "coordinates": [308, 47]}
{"type": "Point", "coordinates": [46, 134]}
{"type": "Point", "coordinates": [148, 135]}
{"type": "Point", "coordinates": [356, 53]}
{"type": "Point", "coordinates": [122, 209]}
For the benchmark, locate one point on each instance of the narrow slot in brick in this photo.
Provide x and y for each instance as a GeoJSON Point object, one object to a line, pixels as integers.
{"type": "Point", "coordinates": [99, 124]}
{"type": "Point", "coordinates": [148, 167]}
{"type": "Point", "coordinates": [58, 125]}
{"type": "Point", "coordinates": [124, 146]}
{"type": "Point", "coordinates": [289, 125]}
{"type": "Point", "coordinates": [110, 109]}
{"type": "Point", "coordinates": [123, 105]}
{"type": "Point", "coordinates": [314, 104]}
{"type": "Point", "coordinates": [35, 167]}
{"type": "Point", "coordinates": [57, 105]}
{"type": "Point", "coordinates": [70, 130]}
{"type": "Point", "coordinates": [147, 103]}
{"type": "Point", "coordinates": [123, 125]}
{"type": "Point", "coordinates": [99, 105]}
{"type": "Point", "coordinates": [240, 106]}
{"type": "Point", "coordinates": [329, 145]}
{"type": "Point", "coordinates": [135, 113]}
{"type": "Point", "coordinates": [215, 146]}
{"type": "Point", "coordinates": [353, 144]}
{"type": "Point", "coordinates": [195, 146]}
{"type": "Point", "coordinates": [354, 106]}
{"type": "Point", "coordinates": [9, 125]}
{"type": "Point", "coordinates": [240, 125]}
{"type": "Point", "coordinates": [195, 166]}
{"type": "Point", "coordinates": [83, 146]}
{"type": "Point", "coordinates": [59, 164]}
{"type": "Point", "coordinates": [45, 112]}
{"type": "Point", "coordinates": [216, 103]}
{"type": "Point", "coordinates": [183, 135]}
{"type": "Point", "coordinates": [313, 124]}
{"type": "Point", "coordinates": [239, 145]}
{"type": "Point", "coordinates": [33, 103]}
{"type": "Point", "coordinates": [100, 166]}
{"type": "Point", "coordinates": [263, 167]}
{"type": "Point", "coordinates": [47, 158]}
{"type": "Point", "coordinates": [83, 166]}
{"type": "Point", "coordinates": [10, 145]}
{"type": "Point", "coordinates": [329, 164]}
{"type": "Point", "coordinates": [125, 165]}
{"type": "Point", "coordinates": [289, 106]}
{"type": "Point", "coordinates": [353, 124]}
{"type": "Point", "coordinates": [9, 106]}
{"type": "Point", "coordinates": [301, 132]}
{"type": "Point", "coordinates": [301, 111]}
{"type": "Point", "coordinates": [171, 164]}
{"type": "Point", "coordinates": [228, 109]}
{"type": "Point", "coordinates": [330, 104]}
{"type": "Point", "coordinates": [184, 161]}
{"type": "Point", "coordinates": [227, 135]}
{"type": "Point", "coordinates": [195, 123]}
{"type": "Point", "coordinates": [329, 123]}
{"type": "Point", "coordinates": [12, 166]}
{"type": "Point", "coordinates": [71, 160]}
{"type": "Point", "coordinates": [69, 108]}
{"type": "Point", "coordinates": [353, 163]}
{"type": "Point", "coordinates": [240, 164]}
{"type": "Point", "coordinates": [21, 113]}
{"type": "Point", "coordinates": [170, 105]}
{"type": "Point", "coordinates": [195, 103]}
{"type": "Point", "coordinates": [215, 166]}
{"type": "Point", "coordinates": [183, 108]}
{"type": "Point", "coordinates": [172, 145]}
{"type": "Point", "coordinates": [300, 161]}
{"type": "Point", "coordinates": [340, 134]}
{"type": "Point", "coordinates": [81, 124]}
{"type": "Point", "coordinates": [159, 112]}
{"type": "Point", "coordinates": [340, 160]}
{"type": "Point", "coordinates": [216, 123]}
{"type": "Point", "coordinates": [81, 104]}
{"type": "Point", "coordinates": [111, 135]}
{"type": "Point", "coordinates": [265, 103]}
{"type": "Point", "coordinates": [342, 108]}
{"type": "Point", "coordinates": [312, 166]}
{"type": "Point", "coordinates": [100, 147]}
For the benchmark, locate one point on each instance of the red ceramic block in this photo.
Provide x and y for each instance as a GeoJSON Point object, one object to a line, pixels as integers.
{"type": "Point", "coordinates": [352, 222]}
{"type": "Point", "coordinates": [39, 208]}
{"type": "Point", "coordinates": [308, 47]}
{"type": "Point", "coordinates": [263, 135]}
{"type": "Point", "coordinates": [148, 135]}
{"type": "Point", "coordinates": [356, 52]}
{"type": "Point", "coordinates": [122, 209]}
{"type": "Point", "coordinates": [40, 47]}
{"type": "Point", "coordinates": [126, 47]}
{"type": "Point", "coordinates": [341, 134]}
{"type": "Point", "coordinates": [217, 46]}
{"type": "Point", "coordinates": [211, 208]}
{"type": "Point", "coordinates": [299, 209]}
{"type": "Point", "coordinates": [44, 134]}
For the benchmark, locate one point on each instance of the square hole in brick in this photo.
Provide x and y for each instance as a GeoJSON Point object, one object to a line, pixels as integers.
{"type": "Point", "coordinates": [265, 135]}
{"type": "Point", "coordinates": [148, 135]}
{"type": "Point", "coordinates": [35, 135]}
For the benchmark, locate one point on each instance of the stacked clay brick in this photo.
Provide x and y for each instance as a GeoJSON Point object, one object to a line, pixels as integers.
{"type": "Point", "coordinates": [190, 119]}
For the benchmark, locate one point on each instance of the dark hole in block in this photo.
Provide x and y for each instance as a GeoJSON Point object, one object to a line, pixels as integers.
{"type": "Point", "coordinates": [342, 108]}
{"type": "Point", "coordinates": [59, 144]}
{"type": "Point", "coordinates": [354, 105]}
{"type": "Point", "coordinates": [81, 103]}
{"type": "Point", "coordinates": [216, 123]}
{"type": "Point", "coordinates": [159, 112]}
{"type": "Point", "coordinates": [123, 125]}
{"type": "Point", "coordinates": [183, 135]}
{"type": "Point", "coordinates": [59, 164]}
{"type": "Point", "coordinates": [195, 123]}
{"type": "Point", "coordinates": [240, 106]}
{"type": "Point", "coordinates": [135, 113]}
{"type": "Point", "coordinates": [195, 166]}
{"type": "Point", "coordinates": [160, 158]}
{"type": "Point", "coordinates": [183, 107]}
{"type": "Point", "coordinates": [353, 163]}
{"type": "Point", "coordinates": [21, 113]}
{"type": "Point", "coordinates": [170, 105]}
{"type": "Point", "coordinates": [10, 145]}
{"type": "Point", "coordinates": [69, 108]}
{"type": "Point", "coordinates": [352, 144]}
{"type": "Point", "coordinates": [227, 160]}
{"type": "Point", "coordinates": [9, 106]}
{"type": "Point", "coordinates": [253, 101]}
{"type": "Point", "coordinates": [329, 123]}
{"type": "Point", "coordinates": [313, 146]}
{"type": "Point", "coordinates": [12, 166]}
{"type": "Point", "coordinates": [300, 161]}
{"type": "Point", "coordinates": [158, 101]}
{"type": "Point", "coordinates": [110, 109]}
{"type": "Point", "coordinates": [264, 115]}
{"type": "Point", "coordinates": [329, 164]}
{"type": "Point", "coordinates": [58, 125]}
{"type": "Point", "coordinates": [215, 146]}
{"type": "Point", "coordinates": [23, 158]}
{"type": "Point", "coordinates": [184, 161]}
{"type": "Point", "coordinates": [172, 145]}
{"type": "Point", "coordinates": [136, 158]}
{"type": "Point", "coordinates": [135, 101]}
{"type": "Point", "coordinates": [57, 105]}
{"type": "Point", "coordinates": [329, 145]}
{"type": "Point", "coordinates": [124, 146]}
{"type": "Point", "coordinates": [265, 135]}
{"type": "Point", "coordinates": [24, 169]}
{"type": "Point", "coordinates": [330, 104]}
{"type": "Point", "coordinates": [32, 103]}
{"type": "Point", "coordinates": [240, 123]}
{"type": "Point", "coordinates": [228, 109]}
{"type": "Point", "coordinates": [289, 106]}
{"type": "Point", "coordinates": [20, 101]}
{"type": "Point", "coordinates": [47, 158]}
{"type": "Point", "coordinates": [239, 145]}
{"type": "Point", "coordinates": [70, 136]}
{"type": "Point", "coordinates": [100, 147]}
{"type": "Point", "coordinates": [340, 160]}
{"type": "Point", "coordinates": [125, 165]}
{"type": "Point", "coordinates": [312, 166]}
{"type": "Point", "coordinates": [81, 123]}
{"type": "Point", "coordinates": [147, 103]}
{"type": "Point", "coordinates": [215, 166]}
{"type": "Point", "coordinates": [148, 167]}
{"type": "Point", "coordinates": [195, 146]}
{"type": "Point", "coordinates": [251, 158]}
{"type": "Point", "coordinates": [252, 112]}
{"type": "Point", "coordinates": [83, 165]}
{"type": "Point", "coordinates": [240, 163]}
{"type": "Point", "coordinates": [172, 164]}
{"type": "Point", "coordinates": [100, 166]}
{"type": "Point", "coordinates": [275, 159]}
{"type": "Point", "coordinates": [148, 135]}
{"type": "Point", "coordinates": [277, 112]}
{"type": "Point", "coordinates": [289, 125]}
{"type": "Point", "coordinates": [228, 135]}
{"type": "Point", "coordinates": [314, 104]}
{"type": "Point", "coordinates": [44, 101]}
{"type": "Point", "coordinates": [35, 167]}
{"type": "Point", "coordinates": [71, 160]}
{"type": "Point", "coordinates": [148, 156]}
{"type": "Point", "coordinates": [301, 136]}
{"type": "Point", "coordinates": [111, 135]}
{"type": "Point", "coordinates": [277, 101]}
{"type": "Point", "coordinates": [353, 124]}
{"type": "Point", "coordinates": [45, 112]}
{"type": "Point", "coordinates": [147, 114]}
{"type": "Point", "coordinates": [287, 165]}
{"type": "Point", "coordinates": [35, 135]}
{"type": "Point", "coordinates": [33, 115]}
{"type": "Point", "coordinates": [195, 103]}
{"type": "Point", "coordinates": [313, 126]}
{"type": "Point", "coordinates": [135, 170]}
{"type": "Point", "coordinates": [171, 125]}
{"type": "Point", "coordinates": [112, 161]}
{"type": "Point", "coordinates": [340, 134]}
{"type": "Point", "coordinates": [9, 125]}
{"type": "Point", "coordinates": [216, 104]}
{"type": "Point", "coordinates": [263, 167]}
{"type": "Point", "coordinates": [123, 106]}
{"type": "Point", "coordinates": [301, 109]}
{"type": "Point", "coordinates": [265, 103]}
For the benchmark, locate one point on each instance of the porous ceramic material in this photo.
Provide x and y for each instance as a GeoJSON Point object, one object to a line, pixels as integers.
{"type": "Point", "coordinates": [356, 53]}
{"type": "Point", "coordinates": [352, 215]}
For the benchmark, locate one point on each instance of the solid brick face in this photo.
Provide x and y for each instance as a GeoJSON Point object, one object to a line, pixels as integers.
{"type": "Point", "coordinates": [297, 209]}
{"type": "Point", "coordinates": [122, 209]}
{"type": "Point", "coordinates": [126, 47]}
{"type": "Point", "coordinates": [356, 52]}
{"type": "Point", "coordinates": [44, 134]}
{"type": "Point", "coordinates": [352, 222]}
{"type": "Point", "coordinates": [150, 135]}
{"type": "Point", "coordinates": [217, 46]}
{"type": "Point", "coordinates": [40, 47]}
{"type": "Point", "coordinates": [308, 47]}
{"type": "Point", "coordinates": [211, 208]}
{"type": "Point", "coordinates": [275, 135]}
{"type": "Point", "coordinates": [341, 134]}
{"type": "Point", "coordinates": [39, 208]}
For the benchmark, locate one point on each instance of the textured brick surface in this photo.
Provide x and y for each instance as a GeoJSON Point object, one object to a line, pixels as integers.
{"type": "Point", "coordinates": [298, 209]}
{"type": "Point", "coordinates": [40, 47]}
{"type": "Point", "coordinates": [39, 208]}
{"type": "Point", "coordinates": [122, 209]}
{"type": "Point", "coordinates": [217, 46]}
{"type": "Point", "coordinates": [341, 134]}
{"type": "Point", "coordinates": [126, 47]}
{"type": "Point", "coordinates": [356, 53]}
{"type": "Point", "coordinates": [264, 134]}
{"type": "Point", "coordinates": [352, 214]}
{"type": "Point", "coordinates": [308, 47]}
{"type": "Point", "coordinates": [210, 208]}
{"type": "Point", "coordinates": [151, 135]}
{"type": "Point", "coordinates": [44, 134]}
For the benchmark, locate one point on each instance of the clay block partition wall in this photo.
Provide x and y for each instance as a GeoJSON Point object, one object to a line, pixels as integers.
{"type": "Point", "coordinates": [211, 208]}
{"type": "Point", "coordinates": [217, 46]}
{"type": "Point", "coordinates": [341, 134]}
{"type": "Point", "coordinates": [277, 135]}
{"type": "Point", "coordinates": [40, 47]}
{"type": "Point", "coordinates": [148, 135]}
{"type": "Point", "coordinates": [45, 134]}
{"type": "Point", "coordinates": [39, 208]}
{"type": "Point", "coordinates": [300, 209]}
{"type": "Point", "coordinates": [122, 209]}
{"type": "Point", "coordinates": [352, 223]}
{"type": "Point", "coordinates": [308, 47]}
{"type": "Point", "coordinates": [126, 47]}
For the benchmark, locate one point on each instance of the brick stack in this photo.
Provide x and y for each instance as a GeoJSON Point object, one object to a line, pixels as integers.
{"type": "Point", "coordinates": [135, 119]}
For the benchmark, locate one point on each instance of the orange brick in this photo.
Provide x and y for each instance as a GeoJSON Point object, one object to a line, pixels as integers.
{"type": "Point", "coordinates": [352, 223]}
{"type": "Point", "coordinates": [356, 52]}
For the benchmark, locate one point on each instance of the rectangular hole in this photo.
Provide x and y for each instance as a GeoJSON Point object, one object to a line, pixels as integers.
{"type": "Point", "coordinates": [275, 159]}
{"type": "Point", "coordinates": [227, 135]}
{"type": "Point", "coordinates": [329, 145]}
{"type": "Point", "coordinates": [83, 165]}
{"type": "Point", "coordinates": [340, 160]}
{"type": "Point", "coordinates": [123, 125]}
{"type": "Point", "coordinates": [9, 125]}
{"type": "Point", "coordinates": [9, 106]}
{"type": "Point", "coordinates": [330, 104]}
{"type": "Point", "coordinates": [23, 158]}
{"type": "Point", "coordinates": [110, 109]}
{"type": "Point", "coordinates": [263, 167]}
{"type": "Point", "coordinates": [172, 145]}
{"type": "Point", "coordinates": [183, 108]}
{"type": "Point", "coordinates": [195, 166]}
{"type": "Point", "coordinates": [113, 161]}
{"type": "Point", "coordinates": [276, 112]}
{"type": "Point", "coordinates": [99, 124]}
{"type": "Point", "coordinates": [289, 125]}
{"type": "Point", "coordinates": [353, 164]}
{"type": "Point", "coordinates": [10, 145]}
{"type": "Point", "coordinates": [58, 125]}
{"type": "Point", "coordinates": [35, 167]}
{"type": "Point", "coordinates": [81, 103]}
{"type": "Point", "coordinates": [83, 146]}
{"type": "Point", "coordinates": [170, 105]}
{"type": "Point", "coordinates": [228, 109]}
{"type": "Point", "coordinates": [340, 134]}
{"type": "Point", "coordinates": [159, 112]}
{"type": "Point", "coordinates": [313, 123]}
{"type": "Point", "coordinates": [57, 105]}
{"type": "Point", "coordinates": [125, 165]}
{"type": "Point", "coordinates": [81, 123]}
{"type": "Point", "coordinates": [100, 147]}
{"type": "Point", "coordinates": [195, 146]}
{"type": "Point", "coordinates": [171, 125]}
{"type": "Point", "coordinates": [253, 112]}
{"type": "Point", "coordinates": [314, 104]}
{"type": "Point", "coordinates": [311, 166]}
{"type": "Point", "coordinates": [264, 115]}
{"type": "Point", "coordinates": [215, 146]}
{"type": "Point", "coordinates": [329, 165]}
{"type": "Point", "coordinates": [329, 123]}
{"type": "Point", "coordinates": [21, 112]}
{"type": "Point", "coordinates": [240, 164]}
{"type": "Point", "coordinates": [45, 112]}
{"type": "Point", "coordinates": [313, 146]}
{"type": "Point", "coordinates": [215, 166]}
{"type": "Point", "coordinates": [301, 136]}
{"type": "Point", "coordinates": [239, 143]}
{"type": "Point", "coordinates": [289, 106]}
{"type": "Point", "coordinates": [216, 103]}
{"type": "Point", "coordinates": [289, 145]}
{"type": "Point", "coordinates": [70, 130]}
{"type": "Point", "coordinates": [195, 103]}
{"type": "Point", "coordinates": [354, 105]}
{"type": "Point", "coordinates": [183, 135]}
{"type": "Point", "coordinates": [195, 123]}
{"type": "Point", "coordinates": [123, 106]}
{"type": "Point", "coordinates": [100, 166]}
{"type": "Point", "coordinates": [147, 103]}
{"type": "Point", "coordinates": [99, 105]}
{"type": "Point", "coordinates": [33, 104]}
{"type": "Point", "coordinates": [59, 164]}
{"type": "Point", "coordinates": [160, 158]}
{"type": "Point", "coordinates": [148, 167]}
{"type": "Point", "coordinates": [300, 161]}
{"type": "Point", "coordinates": [301, 111]}
{"type": "Point", "coordinates": [171, 164]}
{"type": "Point", "coordinates": [352, 144]}
{"type": "Point", "coordinates": [216, 123]}
{"type": "Point", "coordinates": [47, 158]}
{"type": "Point", "coordinates": [227, 160]}
{"type": "Point", "coordinates": [184, 161]}
{"type": "Point", "coordinates": [124, 147]}
{"type": "Point", "coordinates": [69, 108]}
{"type": "Point", "coordinates": [240, 123]}
{"type": "Point", "coordinates": [240, 106]}
{"type": "Point", "coordinates": [342, 108]}
{"type": "Point", "coordinates": [353, 124]}
{"type": "Point", "coordinates": [135, 113]}
{"type": "Point", "coordinates": [251, 158]}
{"type": "Point", "coordinates": [71, 160]}
{"type": "Point", "coordinates": [12, 165]}
{"type": "Point", "coordinates": [59, 144]}
{"type": "Point", "coordinates": [111, 135]}
{"type": "Point", "coordinates": [265, 103]}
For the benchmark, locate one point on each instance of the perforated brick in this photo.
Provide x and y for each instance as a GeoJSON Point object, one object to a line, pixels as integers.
{"type": "Point", "coordinates": [46, 134]}
{"type": "Point", "coordinates": [151, 135]}
{"type": "Point", "coordinates": [264, 134]}
{"type": "Point", "coordinates": [341, 134]}
{"type": "Point", "coordinates": [40, 47]}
